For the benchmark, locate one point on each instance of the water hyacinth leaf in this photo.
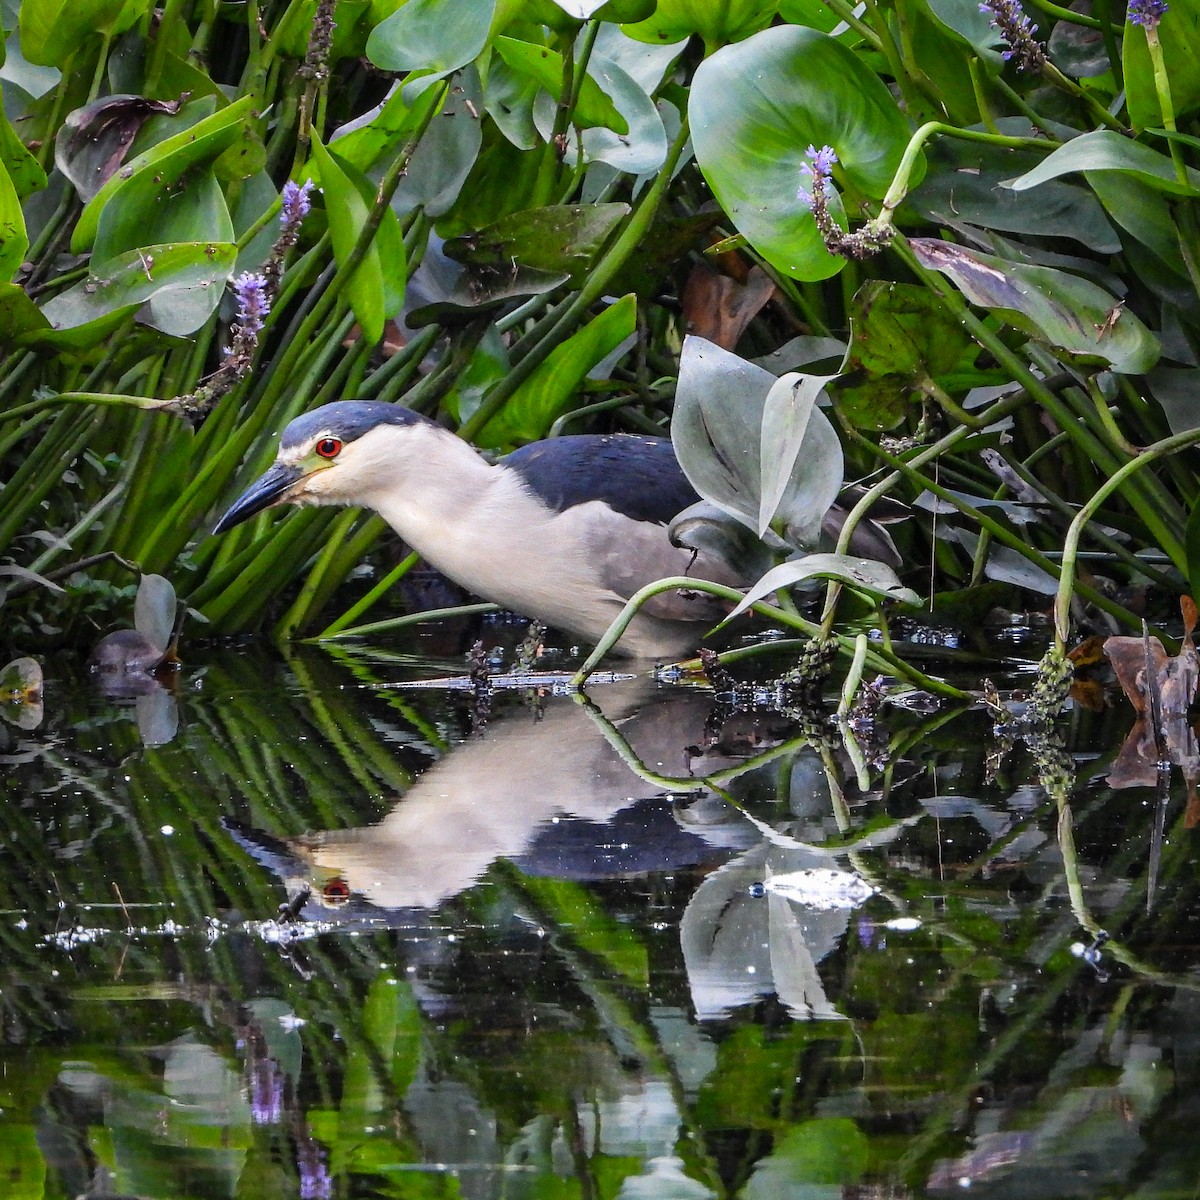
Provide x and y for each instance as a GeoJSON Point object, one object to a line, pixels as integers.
{"type": "Point", "coordinates": [1069, 313]}
{"type": "Point", "coordinates": [792, 426]}
{"type": "Point", "coordinates": [717, 23]}
{"type": "Point", "coordinates": [1106, 150]}
{"type": "Point", "coordinates": [154, 610]}
{"type": "Point", "coordinates": [93, 141]}
{"type": "Point", "coordinates": [154, 209]}
{"type": "Point", "coordinates": [1177, 389]}
{"type": "Point", "coordinates": [438, 36]}
{"type": "Point", "coordinates": [23, 169]}
{"type": "Point", "coordinates": [14, 241]}
{"type": "Point", "coordinates": [172, 288]}
{"type": "Point", "coordinates": [876, 579]}
{"type": "Point", "coordinates": [508, 96]}
{"type": "Point", "coordinates": [171, 160]}
{"type": "Point", "coordinates": [347, 214]}
{"type": "Point", "coordinates": [903, 328]}
{"type": "Point", "coordinates": [813, 14]}
{"type": "Point", "coordinates": [901, 337]}
{"type": "Point", "coordinates": [546, 67]}
{"type": "Point", "coordinates": [53, 30]}
{"type": "Point", "coordinates": [755, 109]}
{"type": "Point", "coordinates": [557, 238]}
{"type": "Point", "coordinates": [547, 393]}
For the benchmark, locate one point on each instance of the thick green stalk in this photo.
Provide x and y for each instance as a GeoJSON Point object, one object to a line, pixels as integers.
{"type": "Point", "coordinates": [1066, 583]}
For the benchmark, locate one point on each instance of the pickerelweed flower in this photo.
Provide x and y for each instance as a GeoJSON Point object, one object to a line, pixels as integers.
{"type": "Point", "coordinates": [295, 203]}
{"type": "Point", "coordinates": [1017, 31]}
{"type": "Point", "coordinates": [253, 303]}
{"type": "Point", "coordinates": [819, 168]}
{"type": "Point", "coordinates": [1146, 13]}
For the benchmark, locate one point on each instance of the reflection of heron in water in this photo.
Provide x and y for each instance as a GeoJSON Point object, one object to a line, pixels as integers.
{"type": "Point", "coordinates": [549, 792]}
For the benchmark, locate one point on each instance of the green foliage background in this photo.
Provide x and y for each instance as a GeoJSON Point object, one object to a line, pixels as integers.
{"type": "Point", "coordinates": [529, 186]}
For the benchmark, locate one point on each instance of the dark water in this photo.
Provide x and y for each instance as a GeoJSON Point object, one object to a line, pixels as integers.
{"type": "Point", "coordinates": [642, 947]}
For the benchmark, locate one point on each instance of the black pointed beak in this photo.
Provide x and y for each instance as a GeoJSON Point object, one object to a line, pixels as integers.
{"type": "Point", "coordinates": [271, 488]}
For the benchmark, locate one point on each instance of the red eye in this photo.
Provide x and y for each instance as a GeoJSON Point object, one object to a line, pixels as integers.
{"type": "Point", "coordinates": [329, 447]}
{"type": "Point", "coordinates": [336, 891]}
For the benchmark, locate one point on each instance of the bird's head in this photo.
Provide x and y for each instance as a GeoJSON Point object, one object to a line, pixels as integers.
{"type": "Point", "coordinates": [336, 454]}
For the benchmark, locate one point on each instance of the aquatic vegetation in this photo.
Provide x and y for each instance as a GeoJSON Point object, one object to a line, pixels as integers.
{"type": "Point", "coordinates": [961, 244]}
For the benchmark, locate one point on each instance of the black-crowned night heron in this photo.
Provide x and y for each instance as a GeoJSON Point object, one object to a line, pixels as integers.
{"type": "Point", "coordinates": [564, 530]}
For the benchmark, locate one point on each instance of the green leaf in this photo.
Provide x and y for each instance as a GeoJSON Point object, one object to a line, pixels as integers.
{"type": "Point", "coordinates": [438, 36]}
{"type": "Point", "coordinates": [811, 1158]}
{"type": "Point", "coordinates": [14, 241]}
{"type": "Point", "coordinates": [876, 579]}
{"type": "Point", "coordinates": [718, 22]}
{"type": "Point", "coordinates": [171, 160]}
{"type": "Point", "coordinates": [755, 109]}
{"type": "Point", "coordinates": [901, 336]}
{"type": "Point", "coordinates": [156, 208]}
{"type": "Point", "coordinates": [347, 213]}
{"type": "Point", "coordinates": [561, 237]}
{"type": "Point", "coordinates": [1144, 214]}
{"type": "Point", "coordinates": [24, 170]}
{"type": "Point", "coordinates": [1106, 150]}
{"type": "Point", "coordinates": [546, 67]}
{"type": "Point", "coordinates": [970, 25]}
{"type": "Point", "coordinates": [547, 393]}
{"type": "Point", "coordinates": [368, 138]}
{"type": "Point", "coordinates": [1067, 312]}
{"type": "Point", "coordinates": [728, 417]}
{"type": "Point", "coordinates": [1179, 35]}
{"type": "Point", "coordinates": [18, 314]}
{"type": "Point", "coordinates": [52, 30]}
{"type": "Point", "coordinates": [172, 288]}
{"type": "Point", "coordinates": [967, 182]}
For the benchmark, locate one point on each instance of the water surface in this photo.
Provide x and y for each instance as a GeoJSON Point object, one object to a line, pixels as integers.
{"type": "Point", "coordinates": [294, 930]}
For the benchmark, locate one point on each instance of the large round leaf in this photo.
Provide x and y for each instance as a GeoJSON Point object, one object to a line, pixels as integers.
{"type": "Point", "coordinates": [755, 109]}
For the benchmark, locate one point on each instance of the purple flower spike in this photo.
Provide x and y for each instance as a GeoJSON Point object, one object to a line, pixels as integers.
{"type": "Point", "coordinates": [252, 301]}
{"type": "Point", "coordinates": [1147, 13]}
{"type": "Point", "coordinates": [819, 168]}
{"type": "Point", "coordinates": [296, 204]}
{"type": "Point", "coordinates": [1017, 31]}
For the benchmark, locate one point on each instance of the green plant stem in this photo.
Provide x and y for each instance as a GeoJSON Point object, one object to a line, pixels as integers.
{"type": "Point", "coordinates": [1001, 532]}
{"type": "Point", "coordinates": [625, 245]}
{"type": "Point", "coordinates": [1066, 583]}
{"type": "Point", "coordinates": [1069, 15]}
{"type": "Point", "coordinates": [1066, 84]}
{"type": "Point", "coordinates": [1162, 87]}
{"type": "Point", "coordinates": [899, 185]}
{"type": "Point", "coordinates": [393, 623]}
{"type": "Point", "coordinates": [368, 601]}
{"type": "Point", "coordinates": [882, 662]}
